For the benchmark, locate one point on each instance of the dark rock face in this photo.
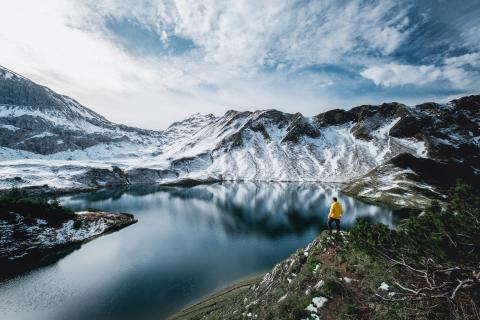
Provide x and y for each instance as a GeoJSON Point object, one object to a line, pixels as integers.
{"type": "Point", "coordinates": [103, 177]}
{"type": "Point", "coordinates": [361, 130]}
{"type": "Point", "coordinates": [408, 127]}
{"type": "Point", "coordinates": [145, 175]}
{"type": "Point", "coordinates": [334, 117]}
{"type": "Point", "coordinates": [392, 109]}
{"type": "Point", "coordinates": [257, 121]}
{"type": "Point", "coordinates": [370, 118]}
{"type": "Point", "coordinates": [408, 181]}
{"type": "Point", "coordinates": [449, 131]}
{"type": "Point", "coordinates": [259, 127]}
{"type": "Point", "coordinates": [364, 128]}
{"type": "Point", "coordinates": [470, 103]}
{"type": "Point", "coordinates": [428, 171]}
{"type": "Point", "coordinates": [235, 140]}
{"type": "Point", "coordinates": [298, 128]}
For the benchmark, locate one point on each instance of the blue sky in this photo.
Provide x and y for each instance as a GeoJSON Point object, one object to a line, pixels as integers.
{"type": "Point", "coordinates": [148, 62]}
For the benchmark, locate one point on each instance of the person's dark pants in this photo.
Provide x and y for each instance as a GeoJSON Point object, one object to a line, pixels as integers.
{"type": "Point", "coordinates": [337, 222]}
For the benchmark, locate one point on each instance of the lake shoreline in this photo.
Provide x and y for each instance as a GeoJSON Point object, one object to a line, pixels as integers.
{"type": "Point", "coordinates": [215, 299]}
{"type": "Point", "coordinates": [24, 252]}
{"type": "Point", "coordinates": [232, 230]}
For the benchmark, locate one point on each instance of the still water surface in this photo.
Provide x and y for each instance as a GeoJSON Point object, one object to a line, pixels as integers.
{"type": "Point", "coordinates": [187, 242]}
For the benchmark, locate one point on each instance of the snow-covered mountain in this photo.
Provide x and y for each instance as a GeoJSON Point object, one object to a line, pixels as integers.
{"type": "Point", "coordinates": [33, 118]}
{"type": "Point", "coordinates": [46, 138]}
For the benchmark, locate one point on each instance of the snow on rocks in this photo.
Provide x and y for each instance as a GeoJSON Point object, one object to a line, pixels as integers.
{"type": "Point", "coordinates": [31, 240]}
{"type": "Point", "coordinates": [319, 284]}
{"type": "Point", "coordinates": [282, 297]}
{"type": "Point", "coordinates": [292, 276]}
{"type": "Point", "coordinates": [384, 286]}
{"type": "Point", "coordinates": [316, 304]}
{"type": "Point", "coordinates": [348, 280]}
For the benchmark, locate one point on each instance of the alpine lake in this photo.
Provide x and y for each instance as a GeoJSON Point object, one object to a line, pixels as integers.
{"type": "Point", "coordinates": [188, 242]}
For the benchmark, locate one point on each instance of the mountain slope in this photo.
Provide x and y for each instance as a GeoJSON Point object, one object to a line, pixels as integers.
{"type": "Point", "coordinates": [34, 118]}
{"type": "Point", "coordinates": [46, 138]}
{"type": "Point", "coordinates": [334, 146]}
{"type": "Point", "coordinates": [407, 180]}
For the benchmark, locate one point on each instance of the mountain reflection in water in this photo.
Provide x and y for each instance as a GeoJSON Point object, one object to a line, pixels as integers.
{"type": "Point", "coordinates": [188, 242]}
{"type": "Point", "coordinates": [270, 209]}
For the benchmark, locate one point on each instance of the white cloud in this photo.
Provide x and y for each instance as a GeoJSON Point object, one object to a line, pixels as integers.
{"type": "Point", "coordinates": [469, 59]}
{"type": "Point", "coordinates": [452, 71]}
{"type": "Point", "coordinates": [241, 36]}
{"type": "Point", "coordinates": [247, 54]}
{"type": "Point", "coordinates": [393, 74]}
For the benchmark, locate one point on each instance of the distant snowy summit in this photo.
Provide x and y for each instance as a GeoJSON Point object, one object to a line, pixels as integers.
{"type": "Point", "coordinates": [47, 138]}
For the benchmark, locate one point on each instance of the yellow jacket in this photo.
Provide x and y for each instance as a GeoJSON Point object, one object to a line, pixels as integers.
{"type": "Point", "coordinates": [336, 211]}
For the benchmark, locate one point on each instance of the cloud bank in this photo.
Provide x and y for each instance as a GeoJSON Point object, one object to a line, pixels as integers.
{"type": "Point", "coordinates": [150, 62]}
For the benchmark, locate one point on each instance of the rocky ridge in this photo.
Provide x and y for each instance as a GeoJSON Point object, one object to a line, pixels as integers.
{"type": "Point", "coordinates": [265, 145]}
{"type": "Point", "coordinates": [35, 119]}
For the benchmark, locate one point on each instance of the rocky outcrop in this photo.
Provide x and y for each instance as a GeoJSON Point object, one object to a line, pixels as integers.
{"type": "Point", "coordinates": [470, 103]}
{"type": "Point", "coordinates": [146, 175]}
{"type": "Point", "coordinates": [408, 127]}
{"type": "Point", "coordinates": [427, 170]}
{"type": "Point", "coordinates": [26, 242]}
{"type": "Point", "coordinates": [99, 178]}
{"type": "Point", "coordinates": [334, 117]}
{"type": "Point", "coordinates": [408, 181]}
{"type": "Point", "coordinates": [371, 118]}
{"type": "Point", "coordinates": [103, 177]}
{"type": "Point", "coordinates": [298, 128]}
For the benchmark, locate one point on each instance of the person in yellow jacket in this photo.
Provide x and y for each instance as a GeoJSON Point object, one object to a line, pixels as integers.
{"type": "Point", "coordinates": [336, 212]}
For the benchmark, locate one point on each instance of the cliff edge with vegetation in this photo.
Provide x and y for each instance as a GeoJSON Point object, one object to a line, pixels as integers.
{"type": "Point", "coordinates": [427, 268]}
